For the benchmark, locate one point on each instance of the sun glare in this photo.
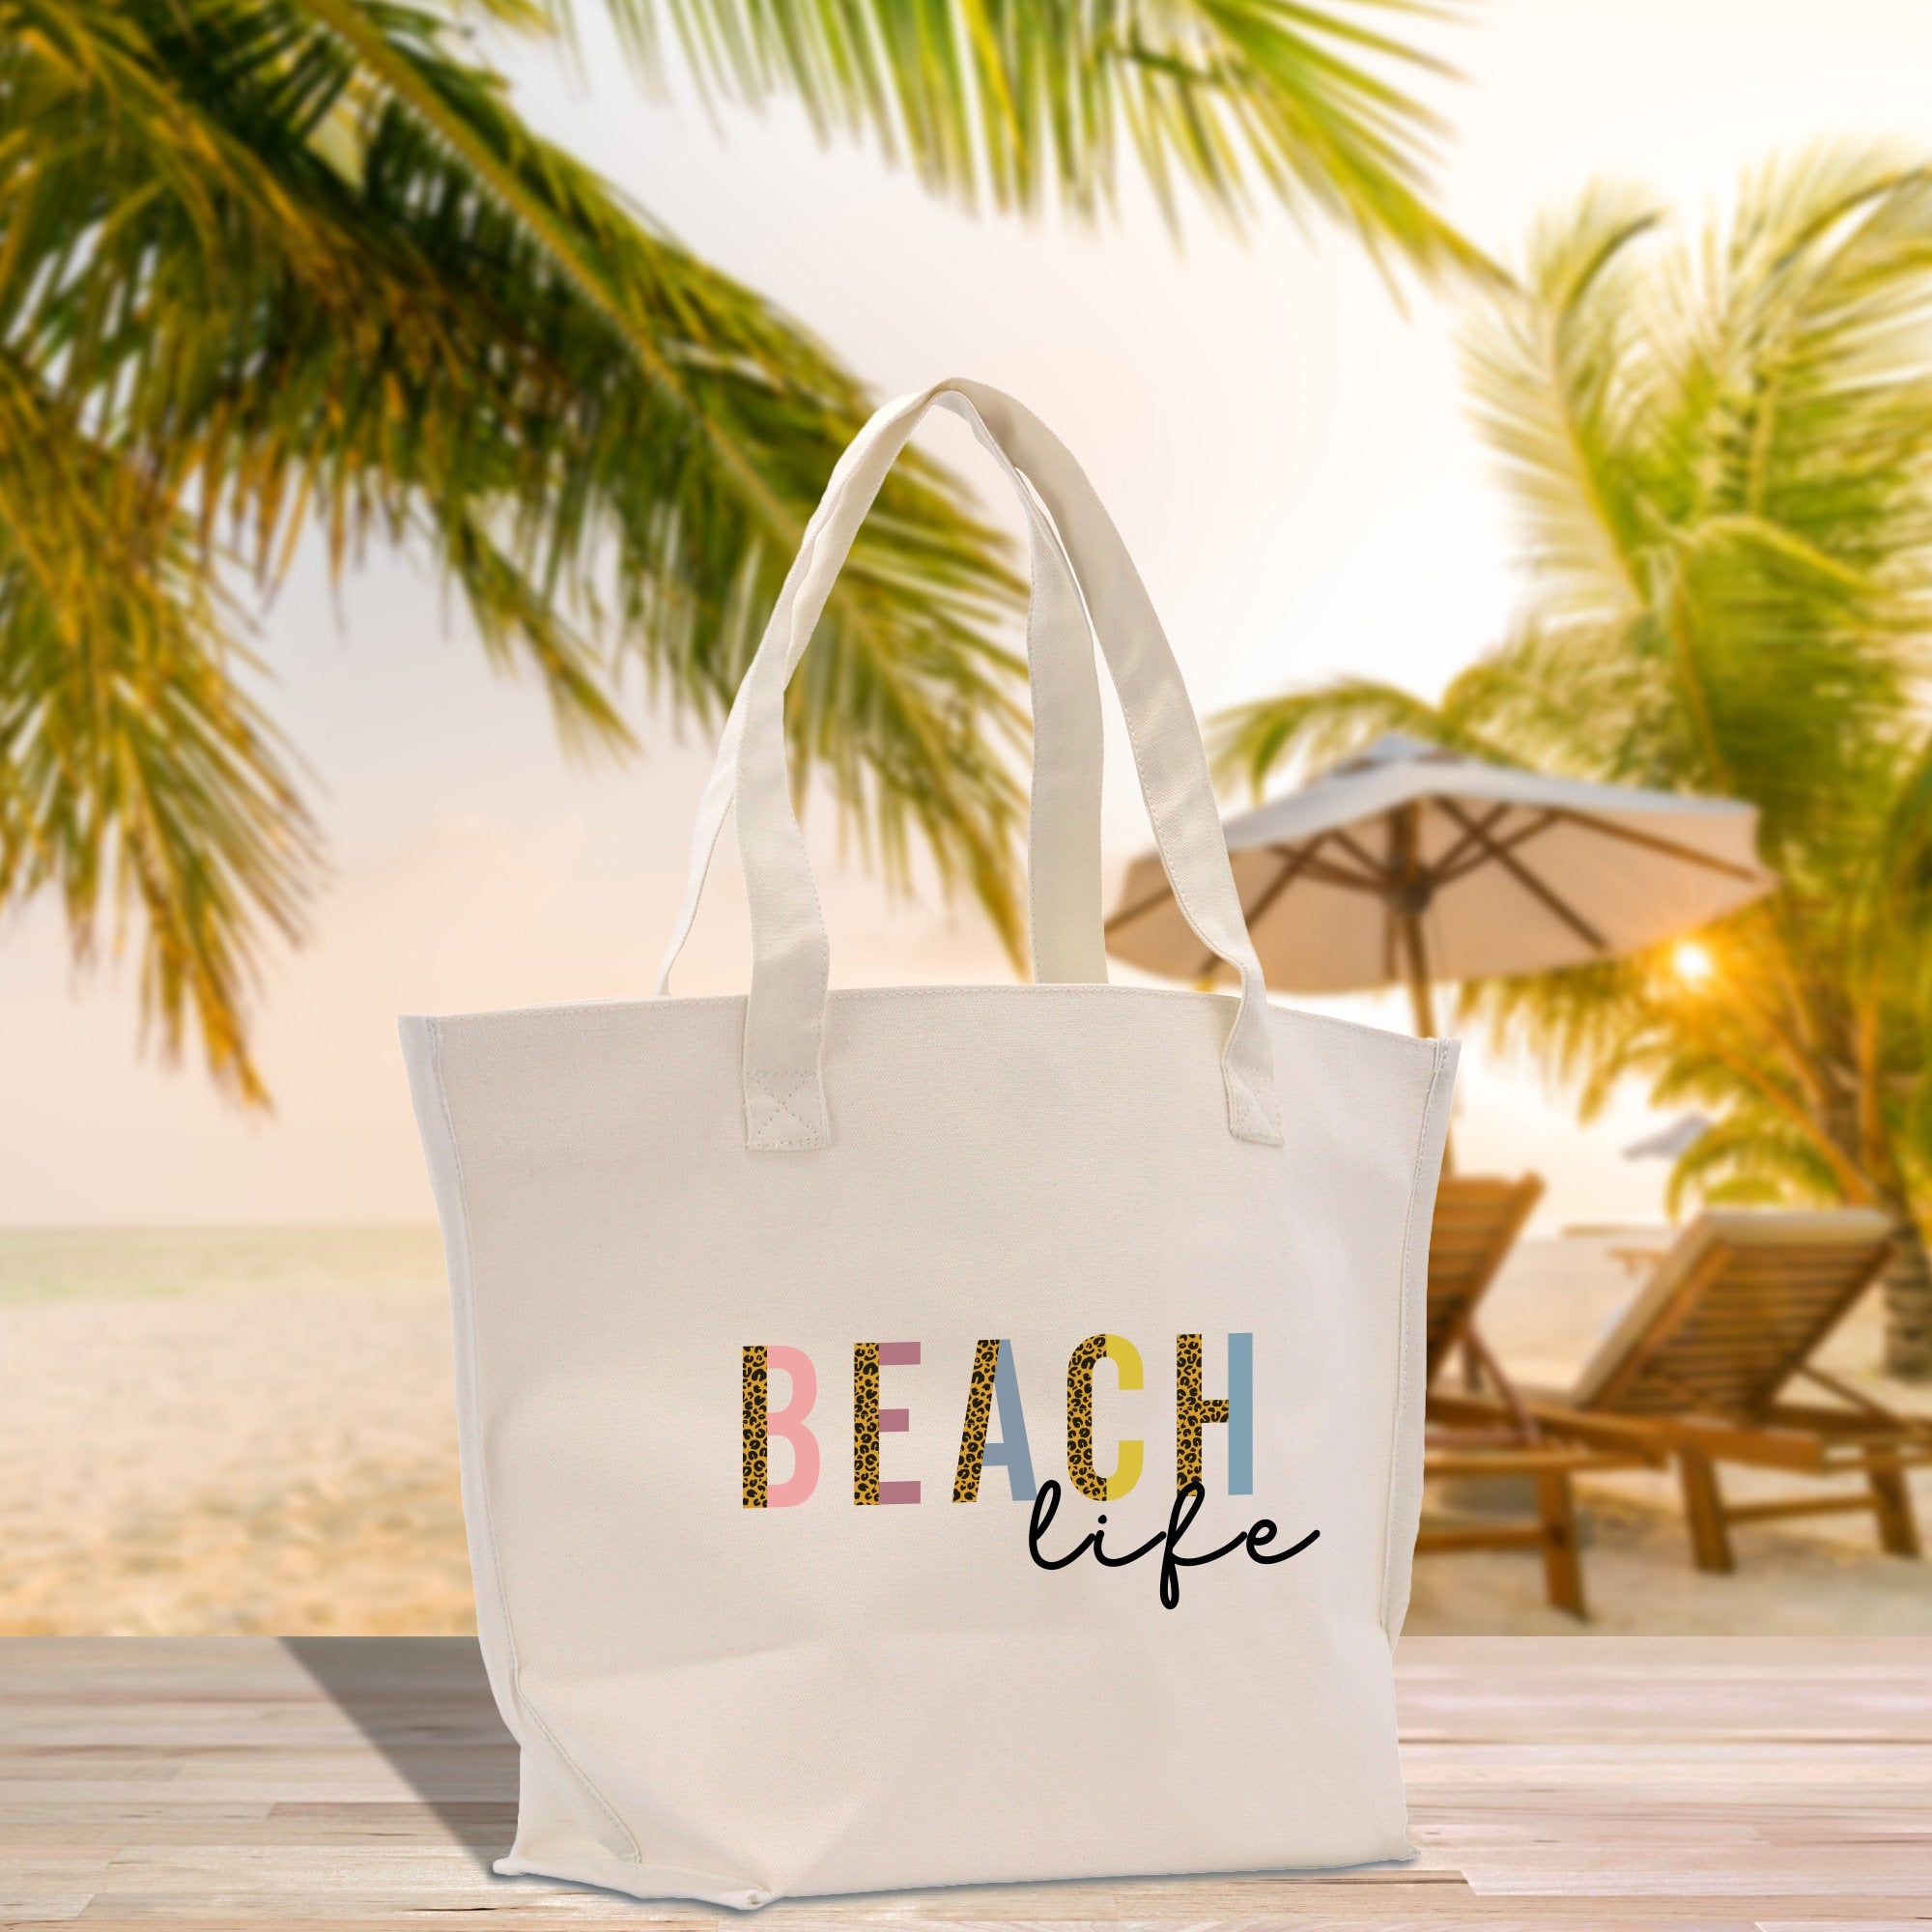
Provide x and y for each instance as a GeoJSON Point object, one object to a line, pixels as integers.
{"type": "Point", "coordinates": [1691, 963]}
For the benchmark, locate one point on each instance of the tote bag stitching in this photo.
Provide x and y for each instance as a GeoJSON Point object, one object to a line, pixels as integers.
{"type": "Point", "coordinates": [808, 1135]}
{"type": "Point", "coordinates": [473, 1379]}
{"type": "Point", "coordinates": [1402, 1351]}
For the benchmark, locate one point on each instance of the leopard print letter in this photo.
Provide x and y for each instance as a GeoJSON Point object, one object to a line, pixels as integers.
{"type": "Point", "coordinates": [1088, 1480]}
{"type": "Point", "coordinates": [762, 1422]}
{"type": "Point", "coordinates": [1193, 1411]}
{"type": "Point", "coordinates": [994, 1379]}
{"type": "Point", "coordinates": [979, 1413]}
{"type": "Point", "coordinates": [870, 1421]}
{"type": "Point", "coordinates": [757, 1436]}
{"type": "Point", "coordinates": [865, 1422]}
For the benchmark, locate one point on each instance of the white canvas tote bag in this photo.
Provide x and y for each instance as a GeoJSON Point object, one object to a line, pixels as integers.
{"type": "Point", "coordinates": [933, 1434]}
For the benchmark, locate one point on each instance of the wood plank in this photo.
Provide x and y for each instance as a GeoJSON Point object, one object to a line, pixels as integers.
{"type": "Point", "coordinates": [1707, 1786]}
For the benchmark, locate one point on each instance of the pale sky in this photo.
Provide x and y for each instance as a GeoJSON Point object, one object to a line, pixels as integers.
{"type": "Point", "coordinates": [1283, 449]}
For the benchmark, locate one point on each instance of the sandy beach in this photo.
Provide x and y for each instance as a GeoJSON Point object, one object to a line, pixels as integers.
{"type": "Point", "coordinates": [234, 1432]}
{"type": "Point", "coordinates": [261, 1438]}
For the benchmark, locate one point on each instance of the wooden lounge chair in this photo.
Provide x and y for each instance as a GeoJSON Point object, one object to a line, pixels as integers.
{"type": "Point", "coordinates": [1477, 1222]}
{"type": "Point", "coordinates": [1730, 1316]}
{"type": "Point", "coordinates": [1478, 1219]}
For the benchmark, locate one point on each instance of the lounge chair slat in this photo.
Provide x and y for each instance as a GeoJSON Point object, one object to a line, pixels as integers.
{"type": "Point", "coordinates": [1477, 1221]}
{"type": "Point", "coordinates": [1734, 1309]}
{"type": "Point", "coordinates": [1731, 1313]}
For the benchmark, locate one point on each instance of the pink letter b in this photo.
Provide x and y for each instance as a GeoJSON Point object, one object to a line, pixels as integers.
{"type": "Point", "coordinates": [789, 1422]}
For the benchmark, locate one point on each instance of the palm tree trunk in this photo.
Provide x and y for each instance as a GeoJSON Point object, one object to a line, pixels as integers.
{"type": "Point", "coordinates": [1908, 1301]}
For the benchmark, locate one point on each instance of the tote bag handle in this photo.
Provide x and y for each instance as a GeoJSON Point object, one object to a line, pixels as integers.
{"type": "Point", "coordinates": [1064, 922]}
{"type": "Point", "coordinates": [784, 1015]}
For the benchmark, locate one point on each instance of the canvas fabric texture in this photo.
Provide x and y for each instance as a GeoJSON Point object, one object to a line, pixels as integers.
{"type": "Point", "coordinates": [806, 1339]}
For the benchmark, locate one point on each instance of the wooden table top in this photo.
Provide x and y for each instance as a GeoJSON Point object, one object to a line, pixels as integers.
{"type": "Point", "coordinates": [1556, 1781]}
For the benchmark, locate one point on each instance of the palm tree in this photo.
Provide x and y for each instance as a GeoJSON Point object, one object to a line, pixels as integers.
{"type": "Point", "coordinates": [1720, 446]}
{"type": "Point", "coordinates": [269, 266]}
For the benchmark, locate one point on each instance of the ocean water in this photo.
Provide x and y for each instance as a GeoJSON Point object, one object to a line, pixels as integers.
{"type": "Point", "coordinates": [41, 1265]}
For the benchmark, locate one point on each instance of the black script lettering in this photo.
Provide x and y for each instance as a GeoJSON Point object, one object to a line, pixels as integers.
{"type": "Point", "coordinates": [1187, 1504]}
{"type": "Point", "coordinates": [1132, 1556]}
{"type": "Point", "coordinates": [1265, 1532]}
{"type": "Point", "coordinates": [1045, 1506]}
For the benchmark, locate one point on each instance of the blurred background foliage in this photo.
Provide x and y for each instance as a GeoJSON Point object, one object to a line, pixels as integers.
{"type": "Point", "coordinates": [278, 266]}
{"type": "Point", "coordinates": [1718, 442]}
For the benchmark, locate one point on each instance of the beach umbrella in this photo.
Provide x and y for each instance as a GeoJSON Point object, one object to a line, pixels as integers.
{"type": "Point", "coordinates": [1409, 864]}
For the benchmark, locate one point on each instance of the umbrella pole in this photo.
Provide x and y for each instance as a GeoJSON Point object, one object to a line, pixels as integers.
{"type": "Point", "coordinates": [1415, 953]}
{"type": "Point", "coordinates": [1421, 997]}
{"type": "Point", "coordinates": [1410, 894]}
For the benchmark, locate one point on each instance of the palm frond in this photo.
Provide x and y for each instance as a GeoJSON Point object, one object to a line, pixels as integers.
{"type": "Point", "coordinates": [1562, 390]}
{"type": "Point", "coordinates": [1310, 729]}
{"type": "Point", "coordinates": [298, 263]}
{"type": "Point", "coordinates": [135, 771]}
{"type": "Point", "coordinates": [1720, 444]}
{"type": "Point", "coordinates": [1017, 102]}
{"type": "Point", "coordinates": [1486, 712]}
{"type": "Point", "coordinates": [1750, 1159]}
